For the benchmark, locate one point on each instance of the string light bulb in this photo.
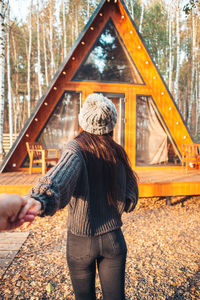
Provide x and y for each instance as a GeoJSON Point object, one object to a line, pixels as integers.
{"type": "Point", "coordinates": [122, 17]}
{"type": "Point", "coordinates": [45, 103]}
{"type": "Point", "coordinates": [154, 77]}
{"type": "Point", "coordinates": [146, 62]}
{"type": "Point", "coordinates": [91, 28]}
{"type": "Point", "coordinates": [73, 58]}
{"type": "Point", "coordinates": [64, 73]}
{"type": "Point", "coordinates": [131, 32]}
{"type": "Point", "coordinates": [36, 119]}
{"type": "Point", "coordinates": [101, 15]}
{"type": "Point", "coordinates": [82, 43]}
{"type": "Point", "coordinates": [139, 47]}
{"type": "Point", "coordinates": [55, 88]}
{"type": "Point", "coordinates": [27, 135]}
{"type": "Point", "coordinates": [177, 123]}
{"type": "Point", "coordinates": [162, 93]}
{"type": "Point", "coordinates": [170, 108]}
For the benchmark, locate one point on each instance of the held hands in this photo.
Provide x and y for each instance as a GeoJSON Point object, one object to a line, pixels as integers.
{"type": "Point", "coordinates": [15, 210]}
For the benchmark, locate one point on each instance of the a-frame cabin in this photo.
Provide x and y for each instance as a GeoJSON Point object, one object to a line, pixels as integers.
{"type": "Point", "coordinates": [109, 57]}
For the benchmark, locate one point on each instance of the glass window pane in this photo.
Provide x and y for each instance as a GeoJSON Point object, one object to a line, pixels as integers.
{"type": "Point", "coordinates": [109, 61]}
{"type": "Point", "coordinates": [153, 145]}
{"type": "Point", "coordinates": [119, 129]}
{"type": "Point", "coordinates": [62, 125]}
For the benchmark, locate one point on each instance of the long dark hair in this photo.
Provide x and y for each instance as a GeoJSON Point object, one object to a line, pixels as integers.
{"type": "Point", "coordinates": [102, 149]}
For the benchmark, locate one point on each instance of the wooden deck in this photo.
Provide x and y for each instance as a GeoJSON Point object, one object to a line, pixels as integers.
{"type": "Point", "coordinates": [152, 183]}
{"type": "Point", "coordinates": [10, 243]}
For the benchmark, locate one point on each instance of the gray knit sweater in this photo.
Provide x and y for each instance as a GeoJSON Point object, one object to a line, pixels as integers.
{"type": "Point", "coordinates": [89, 213]}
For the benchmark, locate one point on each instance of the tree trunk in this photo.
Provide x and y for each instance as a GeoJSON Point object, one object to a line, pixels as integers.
{"type": "Point", "coordinates": [45, 56]}
{"type": "Point", "coordinates": [198, 96]}
{"type": "Point", "coordinates": [16, 84]}
{"type": "Point", "coordinates": [38, 54]}
{"type": "Point", "coordinates": [132, 10]}
{"type": "Point", "coordinates": [197, 100]}
{"type": "Point", "coordinates": [52, 68]}
{"type": "Point", "coordinates": [10, 115]}
{"type": "Point", "coordinates": [192, 71]}
{"type": "Point", "coordinates": [170, 49]}
{"type": "Point", "coordinates": [64, 32]}
{"type": "Point", "coordinates": [2, 72]}
{"type": "Point", "coordinates": [76, 21]}
{"type": "Point", "coordinates": [176, 85]}
{"type": "Point", "coordinates": [141, 17]}
{"type": "Point", "coordinates": [29, 62]}
{"type": "Point", "coordinates": [88, 9]}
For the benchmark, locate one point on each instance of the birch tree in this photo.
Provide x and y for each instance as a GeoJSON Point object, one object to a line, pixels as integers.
{"type": "Point", "coordinates": [76, 21]}
{"type": "Point", "coordinates": [132, 10]}
{"type": "Point", "coordinates": [176, 84]}
{"type": "Point", "coordinates": [141, 17]}
{"type": "Point", "coordinates": [15, 97]}
{"type": "Point", "coordinates": [10, 115]}
{"type": "Point", "coordinates": [192, 70]}
{"type": "Point", "coordinates": [2, 72]}
{"type": "Point", "coordinates": [29, 61]}
{"type": "Point", "coordinates": [88, 9]}
{"type": "Point", "coordinates": [38, 53]}
{"type": "Point", "coordinates": [52, 64]}
{"type": "Point", "coordinates": [64, 31]}
{"type": "Point", "coordinates": [45, 55]}
{"type": "Point", "coordinates": [170, 46]}
{"type": "Point", "coordinates": [197, 97]}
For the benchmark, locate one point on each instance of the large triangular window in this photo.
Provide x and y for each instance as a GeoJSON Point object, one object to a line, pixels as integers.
{"type": "Point", "coordinates": [109, 61]}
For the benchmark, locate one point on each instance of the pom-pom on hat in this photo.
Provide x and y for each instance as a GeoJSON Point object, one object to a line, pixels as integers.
{"type": "Point", "coordinates": [98, 115]}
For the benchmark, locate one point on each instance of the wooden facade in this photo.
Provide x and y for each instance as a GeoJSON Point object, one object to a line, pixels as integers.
{"type": "Point", "coordinates": [150, 84]}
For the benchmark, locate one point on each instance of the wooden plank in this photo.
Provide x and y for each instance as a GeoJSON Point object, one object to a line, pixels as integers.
{"type": "Point", "coordinates": [8, 236]}
{"type": "Point", "coordinates": [7, 254]}
{"type": "Point", "coordinates": [169, 189]}
{"type": "Point", "coordinates": [10, 244]}
{"type": "Point", "coordinates": [15, 189]}
{"type": "Point", "coordinates": [4, 263]}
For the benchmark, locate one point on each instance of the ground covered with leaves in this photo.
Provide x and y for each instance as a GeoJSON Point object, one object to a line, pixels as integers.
{"type": "Point", "coordinates": [163, 255]}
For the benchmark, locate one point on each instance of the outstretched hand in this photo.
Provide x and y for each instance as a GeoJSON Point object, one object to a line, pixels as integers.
{"type": "Point", "coordinates": [10, 206]}
{"type": "Point", "coordinates": [31, 208]}
{"type": "Point", "coordinates": [16, 210]}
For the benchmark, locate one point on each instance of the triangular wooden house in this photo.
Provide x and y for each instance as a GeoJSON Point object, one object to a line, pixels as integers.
{"type": "Point", "coordinates": [110, 58]}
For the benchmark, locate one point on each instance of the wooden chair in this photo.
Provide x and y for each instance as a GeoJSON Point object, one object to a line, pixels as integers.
{"type": "Point", "coordinates": [37, 154]}
{"type": "Point", "coordinates": [191, 155]}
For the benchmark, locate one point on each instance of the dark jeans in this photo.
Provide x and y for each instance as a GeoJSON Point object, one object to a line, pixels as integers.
{"type": "Point", "coordinates": [108, 251]}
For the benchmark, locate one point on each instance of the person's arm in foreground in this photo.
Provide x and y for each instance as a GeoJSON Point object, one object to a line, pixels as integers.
{"type": "Point", "coordinates": [10, 207]}
{"type": "Point", "coordinates": [55, 189]}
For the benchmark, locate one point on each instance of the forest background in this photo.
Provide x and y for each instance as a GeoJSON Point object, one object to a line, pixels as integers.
{"type": "Point", "coordinates": [33, 47]}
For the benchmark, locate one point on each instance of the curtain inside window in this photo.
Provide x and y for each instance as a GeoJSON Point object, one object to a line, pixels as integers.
{"type": "Point", "coordinates": [153, 144]}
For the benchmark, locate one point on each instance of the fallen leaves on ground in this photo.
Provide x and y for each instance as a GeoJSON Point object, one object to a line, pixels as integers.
{"type": "Point", "coordinates": [163, 259]}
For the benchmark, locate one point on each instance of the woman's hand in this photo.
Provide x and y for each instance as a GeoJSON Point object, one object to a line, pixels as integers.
{"type": "Point", "coordinates": [31, 208]}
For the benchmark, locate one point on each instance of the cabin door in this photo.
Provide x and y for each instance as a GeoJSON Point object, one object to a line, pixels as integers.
{"type": "Point", "coordinates": [119, 131]}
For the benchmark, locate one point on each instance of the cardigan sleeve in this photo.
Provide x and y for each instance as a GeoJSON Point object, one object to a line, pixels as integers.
{"type": "Point", "coordinates": [132, 193]}
{"type": "Point", "coordinates": [55, 189]}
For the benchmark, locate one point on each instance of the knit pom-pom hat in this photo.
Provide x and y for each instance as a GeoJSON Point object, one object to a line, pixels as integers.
{"type": "Point", "coordinates": [98, 115]}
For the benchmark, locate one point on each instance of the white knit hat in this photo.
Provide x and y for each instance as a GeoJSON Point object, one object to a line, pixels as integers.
{"type": "Point", "coordinates": [98, 115]}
